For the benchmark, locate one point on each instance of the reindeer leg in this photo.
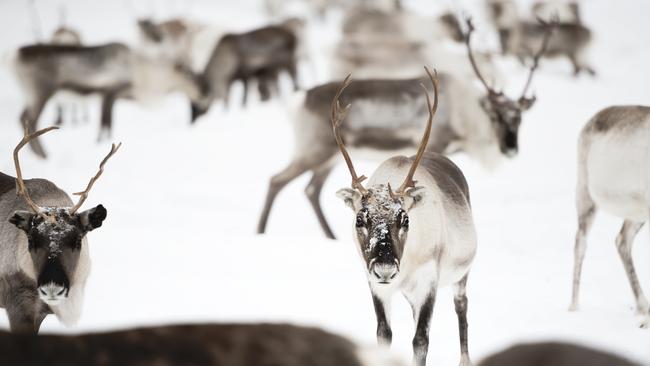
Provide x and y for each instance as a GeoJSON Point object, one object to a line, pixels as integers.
{"type": "Point", "coordinates": [293, 72]}
{"type": "Point", "coordinates": [29, 120]}
{"type": "Point", "coordinates": [313, 190]}
{"type": "Point", "coordinates": [624, 246]}
{"type": "Point", "coordinates": [586, 214]}
{"type": "Point", "coordinates": [422, 315]}
{"type": "Point", "coordinates": [22, 304]}
{"type": "Point", "coordinates": [384, 333]}
{"type": "Point", "coordinates": [460, 303]}
{"type": "Point", "coordinates": [263, 88]}
{"type": "Point", "coordinates": [59, 115]}
{"type": "Point", "coordinates": [278, 181]}
{"type": "Point", "coordinates": [245, 97]}
{"type": "Point", "coordinates": [106, 116]}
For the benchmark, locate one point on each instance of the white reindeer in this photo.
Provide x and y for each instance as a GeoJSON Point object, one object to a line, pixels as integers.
{"type": "Point", "coordinates": [416, 239]}
{"type": "Point", "coordinates": [613, 161]}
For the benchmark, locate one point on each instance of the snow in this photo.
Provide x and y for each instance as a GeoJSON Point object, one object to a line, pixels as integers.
{"type": "Point", "coordinates": [179, 242]}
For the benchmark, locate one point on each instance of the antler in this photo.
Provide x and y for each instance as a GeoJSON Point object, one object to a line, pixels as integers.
{"type": "Point", "coordinates": [83, 195]}
{"type": "Point", "coordinates": [548, 29]}
{"type": "Point", "coordinates": [21, 189]}
{"type": "Point", "coordinates": [337, 116]}
{"type": "Point", "coordinates": [408, 181]}
{"type": "Point", "coordinates": [467, 36]}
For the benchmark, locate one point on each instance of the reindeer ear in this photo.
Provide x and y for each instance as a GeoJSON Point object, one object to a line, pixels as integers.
{"type": "Point", "coordinates": [414, 197]}
{"type": "Point", "coordinates": [93, 218]}
{"type": "Point", "coordinates": [22, 219]}
{"type": "Point", "coordinates": [350, 196]}
{"type": "Point", "coordinates": [526, 103]}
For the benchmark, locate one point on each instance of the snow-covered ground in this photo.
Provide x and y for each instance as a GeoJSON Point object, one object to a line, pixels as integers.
{"type": "Point", "coordinates": [179, 243]}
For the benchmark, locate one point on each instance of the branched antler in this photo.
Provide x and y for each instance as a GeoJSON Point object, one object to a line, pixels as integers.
{"type": "Point", "coordinates": [470, 54]}
{"type": "Point", "coordinates": [408, 181]}
{"type": "Point", "coordinates": [338, 115]}
{"type": "Point", "coordinates": [83, 195]}
{"type": "Point", "coordinates": [21, 189]}
{"type": "Point", "coordinates": [548, 30]}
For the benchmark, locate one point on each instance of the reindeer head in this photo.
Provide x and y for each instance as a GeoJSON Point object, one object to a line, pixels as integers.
{"type": "Point", "coordinates": [382, 221]}
{"type": "Point", "coordinates": [55, 234]}
{"type": "Point", "coordinates": [504, 112]}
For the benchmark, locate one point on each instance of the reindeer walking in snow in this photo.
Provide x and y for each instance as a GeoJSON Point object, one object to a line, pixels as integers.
{"type": "Point", "coordinates": [112, 70]}
{"type": "Point", "coordinates": [613, 160]}
{"type": "Point", "coordinates": [44, 260]}
{"type": "Point", "coordinates": [415, 239]}
{"type": "Point", "coordinates": [387, 115]}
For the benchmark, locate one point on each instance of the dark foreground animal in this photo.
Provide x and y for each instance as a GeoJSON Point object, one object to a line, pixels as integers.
{"type": "Point", "coordinates": [554, 354]}
{"type": "Point", "coordinates": [196, 345]}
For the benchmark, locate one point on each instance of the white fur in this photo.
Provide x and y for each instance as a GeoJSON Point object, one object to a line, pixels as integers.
{"type": "Point", "coordinates": [618, 176]}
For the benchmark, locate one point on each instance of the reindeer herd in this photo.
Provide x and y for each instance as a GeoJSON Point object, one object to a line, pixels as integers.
{"type": "Point", "coordinates": [413, 220]}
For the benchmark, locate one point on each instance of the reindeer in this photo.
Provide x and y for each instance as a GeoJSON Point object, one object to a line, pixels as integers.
{"type": "Point", "coordinates": [415, 239]}
{"type": "Point", "coordinates": [612, 175]}
{"type": "Point", "coordinates": [197, 344]}
{"type": "Point", "coordinates": [570, 39]}
{"type": "Point", "coordinates": [553, 354]}
{"type": "Point", "coordinates": [382, 44]}
{"type": "Point", "coordinates": [260, 54]}
{"type": "Point", "coordinates": [43, 249]}
{"type": "Point", "coordinates": [112, 70]}
{"type": "Point", "coordinates": [387, 114]}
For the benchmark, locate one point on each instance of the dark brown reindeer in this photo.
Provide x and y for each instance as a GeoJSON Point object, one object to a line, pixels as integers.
{"type": "Point", "coordinates": [113, 70]}
{"type": "Point", "coordinates": [387, 114]}
{"type": "Point", "coordinates": [193, 345]}
{"type": "Point", "coordinates": [415, 239]}
{"type": "Point", "coordinates": [261, 55]}
{"type": "Point", "coordinates": [44, 251]}
{"type": "Point", "coordinates": [553, 354]}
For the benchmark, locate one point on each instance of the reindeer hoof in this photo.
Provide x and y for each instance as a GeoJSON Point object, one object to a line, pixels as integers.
{"type": "Point", "coordinates": [464, 361]}
{"type": "Point", "coordinates": [573, 307]}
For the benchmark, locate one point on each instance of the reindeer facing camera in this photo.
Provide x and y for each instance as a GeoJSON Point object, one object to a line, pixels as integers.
{"type": "Point", "coordinates": [43, 247]}
{"type": "Point", "coordinates": [415, 239]}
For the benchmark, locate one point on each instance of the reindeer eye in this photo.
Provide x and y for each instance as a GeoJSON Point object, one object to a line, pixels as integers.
{"type": "Point", "coordinates": [360, 222]}
{"type": "Point", "coordinates": [403, 219]}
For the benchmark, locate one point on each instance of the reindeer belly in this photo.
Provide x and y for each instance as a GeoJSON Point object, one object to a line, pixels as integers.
{"type": "Point", "coordinates": [618, 178]}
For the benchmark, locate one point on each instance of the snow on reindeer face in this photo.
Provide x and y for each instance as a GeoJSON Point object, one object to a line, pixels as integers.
{"type": "Point", "coordinates": [54, 244]}
{"type": "Point", "coordinates": [381, 227]}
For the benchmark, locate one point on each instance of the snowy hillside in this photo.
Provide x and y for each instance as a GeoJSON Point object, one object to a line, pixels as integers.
{"type": "Point", "coordinates": [183, 201]}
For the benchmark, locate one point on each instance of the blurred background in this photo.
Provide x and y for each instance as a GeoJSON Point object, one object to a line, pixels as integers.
{"type": "Point", "coordinates": [183, 200]}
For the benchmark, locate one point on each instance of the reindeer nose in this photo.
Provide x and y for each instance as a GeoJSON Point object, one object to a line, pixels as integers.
{"type": "Point", "coordinates": [52, 293]}
{"type": "Point", "coordinates": [384, 272]}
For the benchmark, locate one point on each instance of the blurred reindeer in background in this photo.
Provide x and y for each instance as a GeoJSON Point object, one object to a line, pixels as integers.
{"type": "Point", "coordinates": [386, 115]}
{"type": "Point", "coordinates": [280, 8]}
{"type": "Point", "coordinates": [43, 246]}
{"type": "Point", "coordinates": [113, 70]}
{"type": "Point", "coordinates": [553, 354]}
{"type": "Point", "coordinates": [520, 37]}
{"type": "Point", "coordinates": [196, 345]}
{"type": "Point", "coordinates": [258, 55]}
{"type": "Point", "coordinates": [395, 44]}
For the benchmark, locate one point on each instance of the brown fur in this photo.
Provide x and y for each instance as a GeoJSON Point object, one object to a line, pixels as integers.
{"type": "Point", "coordinates": [222, 345]}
